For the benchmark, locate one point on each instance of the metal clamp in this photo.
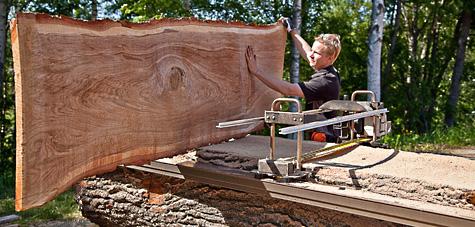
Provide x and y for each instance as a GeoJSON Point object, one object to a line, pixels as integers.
{"type": "Point", "coordinates": [373, 100]}
{"type": "Point", "coordinates": [299, 133]}
{"type": "Point", "coordinates": [373, 96]}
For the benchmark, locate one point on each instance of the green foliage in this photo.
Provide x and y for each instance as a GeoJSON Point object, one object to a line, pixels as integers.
{"type": "Point", "coordinates": [417, 87]}
{"type": "Point", "coordinates": [139, 11]}
{"type": "Point", "coordinates": [63, 207]}
{"type": "Point", "coordinates": [7, 206]}
{"type": "Point", "coordinates": [438, 140]}
{"type": "Point", "coordinates": [260, 12]}
{"type": "Point", "coordinates": [73, 8]}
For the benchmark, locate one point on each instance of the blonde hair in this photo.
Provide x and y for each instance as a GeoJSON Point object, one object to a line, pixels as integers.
{"type": "Point", "coordinates": [332, 44]}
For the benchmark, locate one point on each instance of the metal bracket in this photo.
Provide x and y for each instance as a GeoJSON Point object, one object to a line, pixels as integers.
{"type": "Point", "coordinates": [272, 129]}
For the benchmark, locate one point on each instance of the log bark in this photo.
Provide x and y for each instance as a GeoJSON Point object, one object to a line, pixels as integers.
{"type": "Point", "coordinates": [93, 95]}
{"type": "Point", "coordinates": [132, 198]}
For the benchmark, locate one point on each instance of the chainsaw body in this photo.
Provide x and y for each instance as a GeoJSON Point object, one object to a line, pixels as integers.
{"type": "Point", "coordinates": [373, 127]}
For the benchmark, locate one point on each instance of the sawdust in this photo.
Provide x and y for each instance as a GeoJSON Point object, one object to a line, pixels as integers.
{"type": "Point", "coordinates": [188, 156]}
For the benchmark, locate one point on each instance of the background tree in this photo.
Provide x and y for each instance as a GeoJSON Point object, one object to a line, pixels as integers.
{"type": "Point", "coordinates": [4, 10]}
{"type": "Point", "coordinates": [375, 40]}
{"type": "Point", "coordinates": [394, 21]}
{"type": "Point", "coordinates": [5, 153]}
{"type": "Point", "coordinates": [462, 30]}
{"type": "Point", "coordinates": [93, 9]}
{"type": "Point", "coordinates": [295, 56]}
{"type": "Point", "coordinates": [294, 53]}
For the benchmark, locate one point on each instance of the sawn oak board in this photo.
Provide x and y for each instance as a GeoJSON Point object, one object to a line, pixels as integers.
{"type": "Point", "coordinates": [94, 95]}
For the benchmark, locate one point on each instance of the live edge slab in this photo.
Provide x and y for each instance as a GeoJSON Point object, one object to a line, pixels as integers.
{"type": "Point", "coordinates": [91, 95]}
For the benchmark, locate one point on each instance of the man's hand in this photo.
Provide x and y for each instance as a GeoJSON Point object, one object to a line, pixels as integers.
{"type": "Point", "coordinates": [287, 23]}
{"type": "Point", "coordinates": [251, 60]}
{"type": "Point", "coordinates": [274, 83]}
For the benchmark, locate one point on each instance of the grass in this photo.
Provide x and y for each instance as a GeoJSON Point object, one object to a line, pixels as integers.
{"type": "Point", "coordinates": [440, 139]}
{"type": "Point", "coordinates": [63, 207]}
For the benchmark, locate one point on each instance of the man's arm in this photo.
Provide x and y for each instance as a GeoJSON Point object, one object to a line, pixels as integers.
{"type": "Point", "coordinates": [276, 84]}
{"type": "Point", "coordinates": [304, 48]}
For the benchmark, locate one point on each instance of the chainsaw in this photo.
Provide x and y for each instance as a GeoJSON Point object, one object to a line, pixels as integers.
{"type": "Point", "coordinates": [357, 122]}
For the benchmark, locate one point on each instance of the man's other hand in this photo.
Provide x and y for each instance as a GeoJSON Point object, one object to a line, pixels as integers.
{"type": "Point", "coordinates": [286, 22]}
{"type": "Point", "coordinates": [251, 60]}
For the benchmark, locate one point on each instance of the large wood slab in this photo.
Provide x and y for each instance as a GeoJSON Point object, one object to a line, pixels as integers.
{"type": "Point", "coordinates": [93, 95]}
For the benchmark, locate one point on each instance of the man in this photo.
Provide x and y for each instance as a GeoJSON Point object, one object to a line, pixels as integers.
{"type": "Point", "coordinates": [323, 86]}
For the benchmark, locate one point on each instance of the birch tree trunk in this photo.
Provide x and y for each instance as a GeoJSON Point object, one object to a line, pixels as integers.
{"type": "Point", "coordinates": [295, 62]}
{"type": "Point", "coordinates": [466, 20]}
{"type": "Point", "coordinates": [295, 57]}
{"type": "Point", "coordinates": [375, 40]}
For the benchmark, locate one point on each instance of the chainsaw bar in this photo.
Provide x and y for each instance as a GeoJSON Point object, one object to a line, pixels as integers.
{"type": "Point", "coordinates": [330, 151]}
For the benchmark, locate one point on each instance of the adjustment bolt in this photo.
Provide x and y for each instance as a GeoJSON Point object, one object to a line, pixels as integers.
{"type": "Point", "coordinates": [273, 117]}
{"type": "Point", "coordinates": [300, 119]}
{"type": "Point", "coordinates": [295, 119]}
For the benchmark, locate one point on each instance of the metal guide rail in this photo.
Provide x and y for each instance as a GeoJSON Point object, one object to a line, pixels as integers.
{"type": "Point", "coordinates": [321, 196]}
{"type": "Point", "coordinates": [312, 125]}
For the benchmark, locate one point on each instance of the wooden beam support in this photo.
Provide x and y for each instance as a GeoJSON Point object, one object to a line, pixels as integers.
{"type": "Point", "coordinates": [93, 95]}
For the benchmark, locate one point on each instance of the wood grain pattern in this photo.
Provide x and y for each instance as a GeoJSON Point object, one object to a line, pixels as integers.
{"type": "Point", "coordinates": [93, 95]}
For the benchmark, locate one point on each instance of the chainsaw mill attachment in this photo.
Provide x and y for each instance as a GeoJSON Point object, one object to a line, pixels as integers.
{"type": "Point", "coordinates": [358, 122]}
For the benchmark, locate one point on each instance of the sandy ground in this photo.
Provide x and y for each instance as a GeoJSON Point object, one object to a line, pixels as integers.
{"type": "Point", "coordinates": [437, 169]}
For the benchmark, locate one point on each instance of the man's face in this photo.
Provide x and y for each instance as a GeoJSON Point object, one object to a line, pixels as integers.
{"type": "Point", "coordinates": [318, 58]}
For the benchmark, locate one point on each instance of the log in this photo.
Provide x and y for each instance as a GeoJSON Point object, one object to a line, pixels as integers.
{"type": "Point", "coordinates": [134, 198]}
{"type": "Point", "coordinates": [94, 95]}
